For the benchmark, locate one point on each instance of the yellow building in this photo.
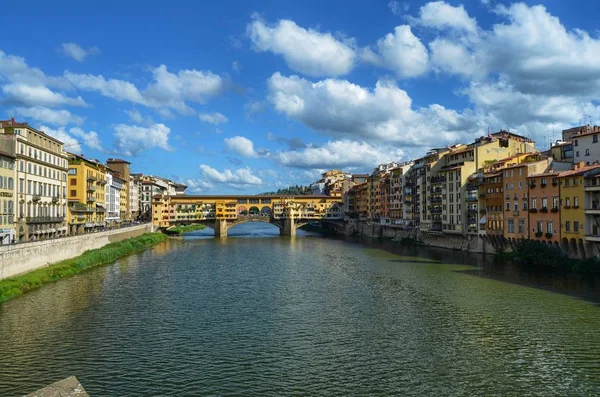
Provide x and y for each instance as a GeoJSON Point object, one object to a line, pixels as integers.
{"type": "Point", "coordinates": [572, 210]}
{"type": "Point", "coordinates": [86, 193]}
{"type": "Point", "coordinates": [461, 199]}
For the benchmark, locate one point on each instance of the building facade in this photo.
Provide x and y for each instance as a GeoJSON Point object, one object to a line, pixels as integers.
{"type": "Point", "coordinates": [86, 195]}
{"type": "Point", "coordinates": [7, 189]}
{"type": "Point", "coordinates": [41, 176]}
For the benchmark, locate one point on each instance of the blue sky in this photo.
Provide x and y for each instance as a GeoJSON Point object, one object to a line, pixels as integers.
{"type": "Point", "coordinates": [249, 96]}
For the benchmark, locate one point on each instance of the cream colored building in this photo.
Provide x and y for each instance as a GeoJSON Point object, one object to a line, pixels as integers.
{"type": "Point", "coordinates": [41, 177]}
{"type": "Point", "coordinates": [7, 189]}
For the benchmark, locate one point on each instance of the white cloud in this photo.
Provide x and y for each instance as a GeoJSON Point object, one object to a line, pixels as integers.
{"type": "Point", "coordinates": [213, 118]}
{"type": "Point", "coordinates": [349, 111]}
{"type": "Point", "coordinates": [236, 66]}
{"type": "Point", "coordinates": [14, 69]}
{"type": "Point", "coordinates": [71, 144]}
{"type": "Point", "coordinates": [74, 137]}
{"type": "Point", "coordinates": [441, 15]}
{"type": "Point", "coordinates": [90, 139]}
{"type": "Point", "coordinates": [397, 8]}
{"type": "Point", "coordinates": [241, 146]}
{"type": "Point", "coordinates": [34, 95]}
{"type": "Point", "coordinates": [49, 116]}
{"type": "Point", "coordinates": [77, 52]}
{"type": "Point", "coordinates": [131, 139]}
{"type": "Point", "coordinates": [238, 178]}
{"type": "Point", "coordinates": [452, 57]}
{"type": "Point", "coordinates": [167, 91]}
{"type": "Point", "coordinates": [401, 52]}
{"type": "Point", "coordinates": [306, 51]}
{"type": "Point", "coordinates": [339, 154]}
{"type": "Point", "coordinates": [135, 115]}
{"type": "Point", "coordinates": [198, 185]}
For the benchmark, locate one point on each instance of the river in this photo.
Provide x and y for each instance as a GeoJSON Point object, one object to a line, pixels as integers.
{"type": "Point", "coordinates": [256, 314]}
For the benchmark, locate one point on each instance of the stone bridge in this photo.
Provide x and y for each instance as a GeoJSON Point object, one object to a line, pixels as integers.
{"type": "Point", "coordinates": [220, 213]}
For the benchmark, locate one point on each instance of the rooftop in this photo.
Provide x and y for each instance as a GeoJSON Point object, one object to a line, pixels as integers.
{"type": "Point", "coordinates": [12, 123]}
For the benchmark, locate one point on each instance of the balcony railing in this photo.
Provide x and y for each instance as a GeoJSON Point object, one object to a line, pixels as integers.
{"type": "Point", "coordinates": [91, 178]}
{"type": "Point", "coordinates": [91, 188]}
{"type": "Point", "coordinates": [36, 197]}
{"type": "Point", "coordinates": [44, 219]}
{"type": "Point", "coordinates": [91, 199]}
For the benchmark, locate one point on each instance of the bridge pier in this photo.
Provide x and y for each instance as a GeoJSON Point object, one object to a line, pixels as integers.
{"type": "Point", "coordinates": [220, 228]}
{"type": "Point", "coordinates": [289, 228]}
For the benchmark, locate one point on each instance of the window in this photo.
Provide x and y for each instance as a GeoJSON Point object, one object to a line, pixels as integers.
{"type": "Point", "coordinates": [549, 227]}
{"type": "Point", "coordinates": [516, 205]}
{"type": "Point", "coordinates": [511, 225]}
{"type": "Point", "coordinates": [520, 184]}
{"type": "Point", "coordinates": [533, 202]}
{"type": "Point", "coordinates": [508, 205]}
{"type": "Point", "coordinates": [595, 139]}
{"type": "Point", "coordinates": [575, 201]}
{"type": "Point", "coordinates": [540, 226]}
{"type": "Point", "coordinates": [512, 185]}
{"type": "Point", "coordinates": [577, 153]}
{"type": "Point", "coordinates": [544, 202]}
{"type": "Point", "coordinates": [73, 182]}
{"type": "Point", "coordinates": [567, 202]}
{"type": "Point", "coordinates": [567, 226]}
{"type": "Point", "coordinates": [576, 142]}
{"type": "Point", "coordinates": [520, 172]}
{"type": "Point", "coordinates": [576, 226]}
{"type": "Point", "coordinates": [521, 226]}
{"type": "Point", "coordinates": [73, 193]}
{"type": "Point", "coordinates": [587, 152]}
{"type": "Point", "coordinates": [554, 202]}
{"type": "Point", "coordinates": [524, 205]}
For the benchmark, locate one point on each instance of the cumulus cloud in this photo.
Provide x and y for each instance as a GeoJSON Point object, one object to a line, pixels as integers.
{"type": "Point", "coordinates": [213, 118]}
{"type": "Point", "coordinates": [49, 116]}
{"type": "Point", "coordinates": [339, 154]}
{"type": "Point", "coordinates": [241, 146]}
{"type": "Point", "coordinates": [14, 69]}
{"type": "Point", "coordinates": [241, 177]}
{"type": "Point", "coordinates": [401, 52]}
{"type": "Point", "coordinates": [441, 15]}
{"type": "Point", "coordinates": [132, 139]}
{"type": "Point", "coordinates": [74, 137]}
{"type": "Point", "coordinates": [167, 90]}
{"type": "Point", "coordinates": [78, 53]}
{"type": "Point", "coordinates": [37, 95]}
{"type": "Point", "coordinates": [349, 111]}
{"type": "Point", "coordinates": [306, 51]}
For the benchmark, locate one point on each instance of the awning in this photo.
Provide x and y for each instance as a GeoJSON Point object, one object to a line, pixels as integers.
{"type": "Point", "coordinates": [483, 220]}
{"type": "Point", "coordinates": [100, 205]}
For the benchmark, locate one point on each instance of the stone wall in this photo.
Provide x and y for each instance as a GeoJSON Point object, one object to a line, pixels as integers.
{"type": "Point", "coordinates": [468, 243]}
{"type": "Point", "coordinates": [17, 259]}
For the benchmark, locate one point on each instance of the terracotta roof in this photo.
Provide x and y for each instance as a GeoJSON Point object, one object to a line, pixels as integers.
{"type": "Point", "coordinates": [581, 170]}
{"type": "Point", "coordinates": [117, 161]}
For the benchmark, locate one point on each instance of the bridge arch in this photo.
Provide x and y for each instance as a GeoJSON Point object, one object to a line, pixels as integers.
{"type": "Point", "coordinates": [266, 210]}
{"type": "Point", "coordinates": [253, 210]}
{"type": "Point", "coordinates": [242, 210]}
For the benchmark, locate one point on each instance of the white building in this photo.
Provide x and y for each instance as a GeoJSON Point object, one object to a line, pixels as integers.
{"type": "Point", "coordinates": [41, 174]}
{"type": "Point", "coordinates": [114, 185]}
{"type": "Point", "coordinates": [586, 147]}
{"type": "Point", "coordinates": [135, 186]}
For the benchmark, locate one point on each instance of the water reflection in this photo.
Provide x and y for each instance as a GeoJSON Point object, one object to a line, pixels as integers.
{"type": "Point", "coordinates": [303, 316]}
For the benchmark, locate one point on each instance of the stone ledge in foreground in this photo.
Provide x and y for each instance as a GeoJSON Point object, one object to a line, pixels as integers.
{"type": "Point", "coordinates": [69, 387]}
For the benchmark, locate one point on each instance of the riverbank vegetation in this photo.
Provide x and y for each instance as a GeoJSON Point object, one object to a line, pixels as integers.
{"type": "Point", "coordinates": [178, 230]}
{"type": "Point", "coordinates": [533, 254]}
{"type": "Point", "coordinates": [19, 285]}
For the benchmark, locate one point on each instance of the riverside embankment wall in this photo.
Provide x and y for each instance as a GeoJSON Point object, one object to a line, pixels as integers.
{"type": "Point", "coordinates": [17, 259]}
{"type": "Point", "coordinates": [470, 243]}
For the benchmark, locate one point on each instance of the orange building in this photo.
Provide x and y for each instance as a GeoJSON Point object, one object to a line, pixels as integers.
{"type": "Point", "coordinates": [544, 213]}
{"type": "Point", "coordinates": [516, 197]}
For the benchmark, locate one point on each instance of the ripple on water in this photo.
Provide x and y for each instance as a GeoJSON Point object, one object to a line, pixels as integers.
{"type": "Point", "coordinates": [304, 316]}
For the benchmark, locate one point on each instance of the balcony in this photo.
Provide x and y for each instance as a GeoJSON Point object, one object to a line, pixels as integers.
{"type": "Point", "coordinates": [91, 199]}
{"type": "Point", "coordinates": [91, 178]}
{"type": "Point", "coordinates": [44, 219]}
{"type": "Point", "coordinates": [55, 199]}
{"type": "Point", "coordinates": [36, 197]}
{"type": "Point", "coordinates": [438, 179]}
{"type": "Point", "coordinates": [91, 188]}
